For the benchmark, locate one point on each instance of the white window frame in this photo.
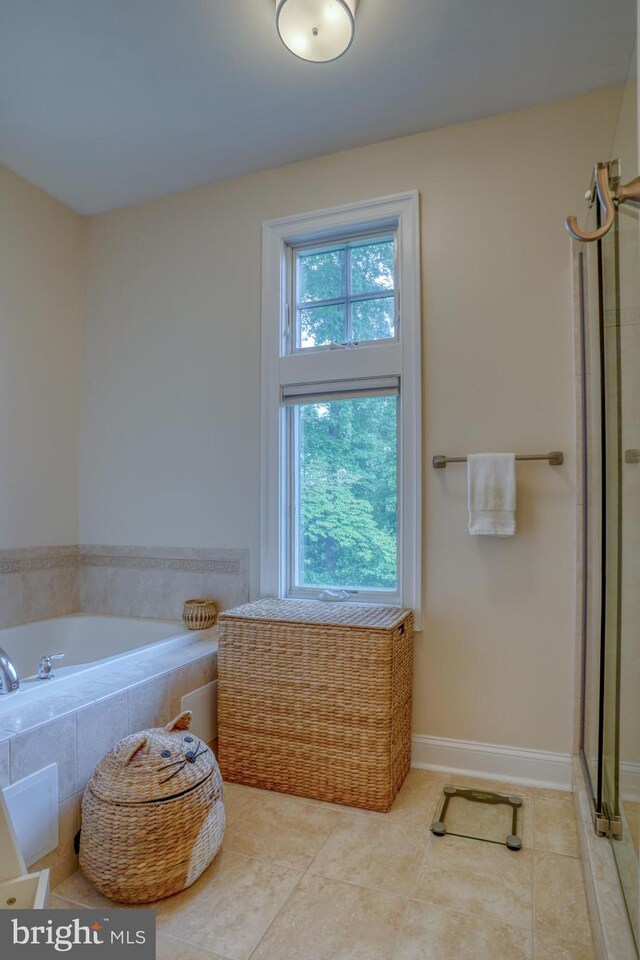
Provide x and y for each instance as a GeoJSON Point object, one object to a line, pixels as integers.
{"type": "Point", "coordinates": [281, 369]}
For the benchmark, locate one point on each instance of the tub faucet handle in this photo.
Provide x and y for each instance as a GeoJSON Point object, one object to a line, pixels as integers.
{"type": "Point", "coordinates": [45, 667]}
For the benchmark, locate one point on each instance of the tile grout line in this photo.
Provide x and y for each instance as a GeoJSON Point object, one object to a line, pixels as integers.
{"type": "Point", "coordinates": [475, 916]}
{"type": "Point", "coordinates": [562, 935]}
{"type": "Point", "coordinates": [468, 913]}
{"type": "Point", "coordinates": [167, 936]}
{"type": "Point", "coordinates": [278, 912]}
{"type": "Point", "coordinates": [320, 849]}
{"type": "Point", "coordinates": [76, 706]}
{"type": "Point", "coordinates": [423, 859]}
{"type": "Point", "coordinates": [304, 874]}
{"type": "Point", "coordinates": [73, 903]}
{"type": "Point", "coordinates": [79, 789]}
{"type": "Point", "coordinates": [187, 943]}
{"type": "Point", "coordinates": [412, 899]}
{"type": "Point", "coordinates": [408, 898]}
{"type": "Point", "coordinates": [295, 886]}
{"type": "Point", "coordinates": [384, 893]}
{"type": "Point", "coordinates": [378, 890]}
{"type": "Point", "coordinates": [533, 879]}
{"type": "Point", "coordinates": [401, 926]}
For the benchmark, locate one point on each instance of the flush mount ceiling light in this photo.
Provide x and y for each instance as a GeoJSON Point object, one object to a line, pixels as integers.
{"type": "Point", "coordinates": [316, 30]}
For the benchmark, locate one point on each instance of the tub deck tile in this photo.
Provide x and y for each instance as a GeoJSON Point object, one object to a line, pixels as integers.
{"type": "Point", "coordinates": [18, 716]}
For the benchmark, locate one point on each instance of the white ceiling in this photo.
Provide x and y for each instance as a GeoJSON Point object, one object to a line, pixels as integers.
{"type": "Point", "coordinates": [110, 102]}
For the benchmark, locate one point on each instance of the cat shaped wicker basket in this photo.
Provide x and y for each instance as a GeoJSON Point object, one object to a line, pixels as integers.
{"type": "Point", "coordinates": [152, 814]}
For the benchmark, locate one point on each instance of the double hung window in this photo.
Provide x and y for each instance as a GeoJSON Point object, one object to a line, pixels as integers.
{"type": "Point", "coordinates": [341, 404]}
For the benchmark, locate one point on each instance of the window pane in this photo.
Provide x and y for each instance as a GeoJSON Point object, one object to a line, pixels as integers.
{"type": "Point", "coordinates": [373, 319]}
{"type": "Point", "coordinates": [372, 267]}
{"type": "Point", "coordinates": [346, 493]}
{"type": "Point", "coordinates": [320, 276]}
{"type": "Point", "coordinates": [320, 326]}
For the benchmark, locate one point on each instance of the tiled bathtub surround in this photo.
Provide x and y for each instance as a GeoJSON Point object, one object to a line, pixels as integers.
{"type": "Point", "coordinates": [155, 581]}
{"type": "Point", "coordinates": [75, 729]}
{"type": "Point", "coordinates": [38, 583]}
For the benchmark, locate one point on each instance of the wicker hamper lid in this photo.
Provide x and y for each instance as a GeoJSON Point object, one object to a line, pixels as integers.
{"type": "Point", "coordinates": [318, 611]}
{"type": "Point", "coordinates": [153, 765]}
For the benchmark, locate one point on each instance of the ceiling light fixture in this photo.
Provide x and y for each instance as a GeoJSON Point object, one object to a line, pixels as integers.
{"type": "Point", "coordinates": [316, 30]}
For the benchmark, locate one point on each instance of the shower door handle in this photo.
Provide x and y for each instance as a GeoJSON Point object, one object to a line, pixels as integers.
{"type": "Point", "coordinates": [629, 192]}
{"type": "Point", "coordinates": [603, 191]}
{"type": "Point", "coordinates": [601, 187]}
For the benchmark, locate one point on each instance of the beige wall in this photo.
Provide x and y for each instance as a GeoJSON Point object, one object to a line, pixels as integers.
{"type": "Point", "coordinates": [170, 436]}
{"type": "Point", "coordinates": [41, 259]}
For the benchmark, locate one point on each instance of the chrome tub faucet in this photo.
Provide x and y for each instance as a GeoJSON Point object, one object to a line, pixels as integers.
{"type": "Point", "coordinates": [9, 680]}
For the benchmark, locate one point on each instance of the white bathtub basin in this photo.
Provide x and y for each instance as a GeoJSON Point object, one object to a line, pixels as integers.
{"type": "Point", "coordinates": [88, 643]}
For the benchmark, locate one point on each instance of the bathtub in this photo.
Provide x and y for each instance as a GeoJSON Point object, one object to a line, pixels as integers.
{"type": "Point", "coordinates": [119, 675]}
{"type": "Point", "coordinates": [88, 643]}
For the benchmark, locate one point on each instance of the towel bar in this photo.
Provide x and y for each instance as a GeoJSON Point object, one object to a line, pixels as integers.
{"type": "Point", "coordinates": [555, 459]}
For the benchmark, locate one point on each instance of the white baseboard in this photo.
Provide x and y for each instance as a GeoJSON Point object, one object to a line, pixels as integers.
{"type": "Point", "coordinates": [630, 781]}
{"type": "Point", "coordinates": [535, 768]}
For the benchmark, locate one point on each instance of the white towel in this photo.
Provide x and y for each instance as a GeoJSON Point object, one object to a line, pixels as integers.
{"type": "Point", "coordinates": [491, 492]}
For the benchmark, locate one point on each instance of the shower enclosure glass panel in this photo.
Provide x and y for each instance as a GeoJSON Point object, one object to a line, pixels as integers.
{"type": "Point", "coordinates": [620, 273]}
{"type": "Point", "coordinates": [591, 416]}
{"type": "Point", "coordinates": [621, 660]}
{"type": "Point", "coordinates": [610, 291]}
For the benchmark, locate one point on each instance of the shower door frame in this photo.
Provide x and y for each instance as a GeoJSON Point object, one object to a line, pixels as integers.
{"type": "Point", "coordinates": [607, 408]}
{"type": "Point", "coordinates": [596, 789]}
{"type": "Point", "coordinates": [606, 814]}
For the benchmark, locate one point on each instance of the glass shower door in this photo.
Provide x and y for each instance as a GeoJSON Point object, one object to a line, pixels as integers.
{"type": "Point", "coordinates": [609, 311]}
{"type": "Point", "coordinates": [620, 305]}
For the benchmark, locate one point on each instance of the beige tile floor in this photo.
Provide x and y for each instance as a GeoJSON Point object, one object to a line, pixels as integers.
{"type": "Point", "coordinates": [302, 880]}
{"type": "Point", "coordinates": [632, 814]}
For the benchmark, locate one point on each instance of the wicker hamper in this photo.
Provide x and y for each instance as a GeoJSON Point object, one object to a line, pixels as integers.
{"type": "Point", "coordinates": [314, 699]}
{"type": "Point", "coordinates": [152, 814]}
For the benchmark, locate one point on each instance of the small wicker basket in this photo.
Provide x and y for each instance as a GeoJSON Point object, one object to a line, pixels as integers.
{"type": "Point", "coordinates": [199, 614]}
{"type": "Point", "coordinates": [152, 815]}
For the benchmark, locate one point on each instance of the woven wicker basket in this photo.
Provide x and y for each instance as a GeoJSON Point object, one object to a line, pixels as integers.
{"type": "Point", "coordinates": [152, 815]}
{"type": "Point", "coordinates": [314, 699]}
{"type": "Point", "coordinates": [199, 614]}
